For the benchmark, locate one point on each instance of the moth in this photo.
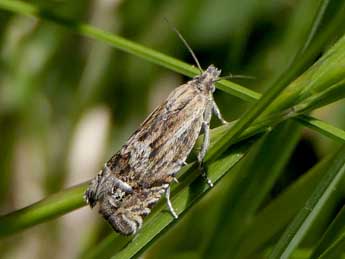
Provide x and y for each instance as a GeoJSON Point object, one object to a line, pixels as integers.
{"type": "Point", "coordinates": [135, 178]}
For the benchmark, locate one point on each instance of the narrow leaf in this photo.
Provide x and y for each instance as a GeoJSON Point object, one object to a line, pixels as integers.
{"type": "Point", "coordinates": [48, 208]}
{"type": "Point", "coordinates": [332, 243]}
{"type": "Point", "coordinates": [305, 218]}
{"type": "Point", "coordinates": [250, 187]}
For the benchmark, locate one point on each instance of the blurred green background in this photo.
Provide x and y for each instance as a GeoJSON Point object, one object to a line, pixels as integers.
{"type": "Point", "coordinates": [67, 103]}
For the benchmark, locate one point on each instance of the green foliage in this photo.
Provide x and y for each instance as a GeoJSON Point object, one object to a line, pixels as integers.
{"type": "Point", "coordinates": [257, 209]}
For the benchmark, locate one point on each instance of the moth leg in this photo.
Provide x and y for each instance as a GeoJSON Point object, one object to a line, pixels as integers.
{"type": "Point", "coordinates": [206, 129]}
{"type": "Point", "coordinates": [171, 209]}
{"type": "Point", "coordinates": [202, 153]}
{"type": "Point", "coordinates": [204, 174]}
{"type": "Point", "coordinates": [216, 112]}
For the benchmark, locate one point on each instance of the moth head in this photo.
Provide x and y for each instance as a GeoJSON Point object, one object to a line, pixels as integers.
{"type": "Point", "coordinates": [206, 80]}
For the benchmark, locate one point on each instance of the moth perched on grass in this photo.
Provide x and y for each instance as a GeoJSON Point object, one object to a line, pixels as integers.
{"type": "Point", "coordinates": [136, 177]}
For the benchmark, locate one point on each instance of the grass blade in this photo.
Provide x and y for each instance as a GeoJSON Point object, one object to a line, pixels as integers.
{"type": "Point", "coordinates": [272, 219]}
{"type": "Point", "coordinates": [122, 44]}
{"type": "Point", "coordinates": [324, 128]}
{"type": "Point", "coordinates": [250, 187]}
{"type": "Point", "coordinates": [295, 68]}
{"type": "Point", "coordinates": [302, 222]}
{"type": "Point", "coordinates": [48, 208]}
{"type": "Point", "coordinates": [332, 243]}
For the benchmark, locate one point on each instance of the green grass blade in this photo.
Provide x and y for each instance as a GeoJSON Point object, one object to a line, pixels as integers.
{"type": "Point", "coordinates": [302, 59]}
{"type": "Point", "coordinates": [332, 243]}
{"type": "Point", "coordinates": [331, 94]}
{"type": "Point", "coordinates": [323, 128]}
{"type": "Point", "coordinates": [315, 24]}
{"type": "Point", "coordinates": [123, 44]}
{"type": "Point", "coordinates": [250, 187]}
{"type": "Point", "coordinates": [272, 219]}
{"type": "Point", "coordinates": [48, 208]}
{"type": "Point", "coordinates": [305, 218]}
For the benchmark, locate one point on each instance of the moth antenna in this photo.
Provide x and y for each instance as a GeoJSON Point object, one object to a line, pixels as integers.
{"type": "Point", "coordinates": [235, 76]}
{"type": "Point", "coordinates": [185, 43]}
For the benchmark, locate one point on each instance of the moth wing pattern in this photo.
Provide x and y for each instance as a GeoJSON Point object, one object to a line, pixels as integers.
{"type": "Point", "coordinates": [136, 177]}
{"type": "Point", "coordinates": [157, 150]}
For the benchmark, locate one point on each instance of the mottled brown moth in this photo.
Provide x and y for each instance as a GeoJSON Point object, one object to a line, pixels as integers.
{"type": "Point", "coordinates": [136, 177]}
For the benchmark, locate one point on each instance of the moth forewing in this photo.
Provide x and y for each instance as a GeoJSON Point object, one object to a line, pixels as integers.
{"type": "Point", "coordinates": [136, 177]}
